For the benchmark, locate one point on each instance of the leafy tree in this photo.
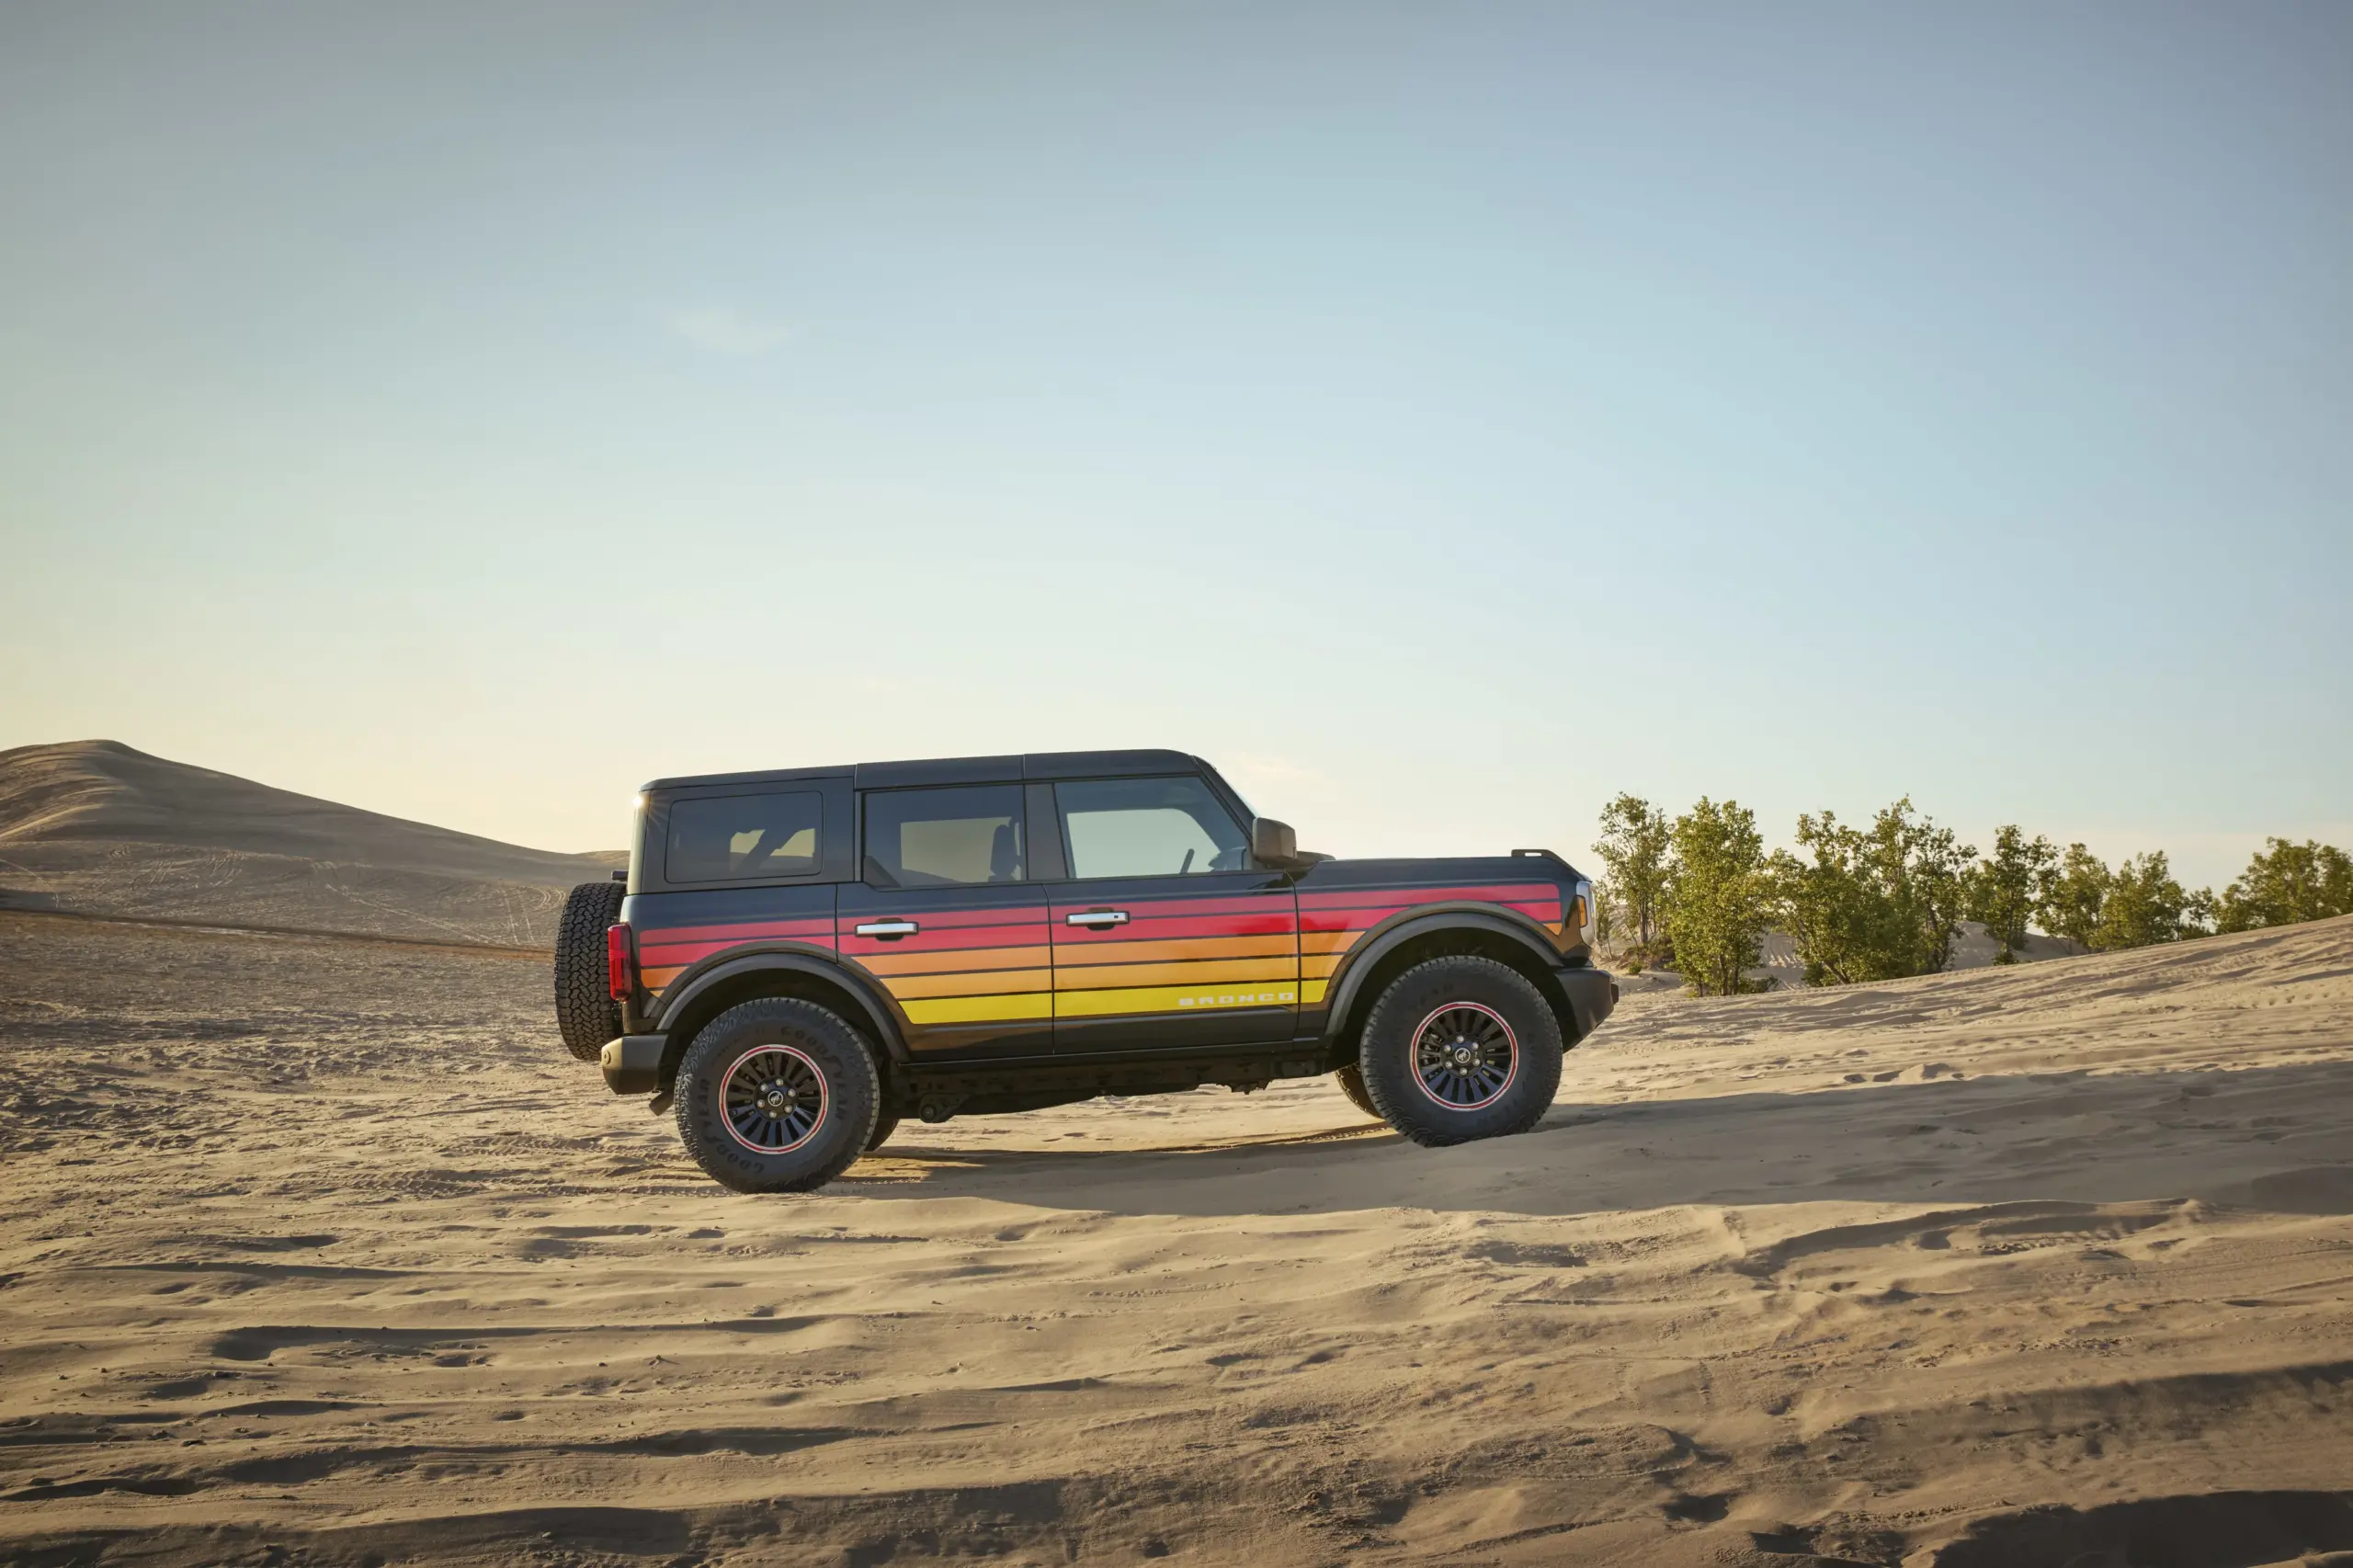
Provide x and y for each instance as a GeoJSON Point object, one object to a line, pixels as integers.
{"type": "Point", "coordinates": [2006, 888]}
{"type": "Point", "coordinates": [1604, 924]}
{"type": "Point", "coordinates": [2287, 882]}
{"type": "Point", "coordinates": [2144, 905]}
{"type": "Point", "coordinates": [2072, 896]}
{"type": "Point", "coordinates": [1634, 848]}
{"type": "Point", "coordinates": [1718, 898]}
{"type": "Point", "coordinates": [1874, 903]}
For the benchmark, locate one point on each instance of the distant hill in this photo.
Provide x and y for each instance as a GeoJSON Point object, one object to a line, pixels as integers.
{"type": "Point", "coordinates": [97, 827]}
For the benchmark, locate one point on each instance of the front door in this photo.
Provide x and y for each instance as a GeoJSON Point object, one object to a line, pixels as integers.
{"type": "Point", "coordinates": [1164, 935]}
{"type": "Point", "coordinates": [944, 917]}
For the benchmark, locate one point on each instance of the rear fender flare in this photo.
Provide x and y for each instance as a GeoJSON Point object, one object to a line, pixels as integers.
{"type": "Point", "coordinates": [1346, 997]}
{"type": "Point", "coordinates": [877, 1016]}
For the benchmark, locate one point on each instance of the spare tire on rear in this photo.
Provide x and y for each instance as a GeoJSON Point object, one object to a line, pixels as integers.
{"type": "Point", "coordinates": [584, 1009]}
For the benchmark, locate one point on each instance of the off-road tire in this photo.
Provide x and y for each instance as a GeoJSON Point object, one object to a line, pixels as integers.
{"type": "Point", "coordinates": [885, 1123]}
{"type": "Point", "coordinates": [1495, 1000]}
{"type": "Point", "coordinates": [1350, 1077]}
{"type": "Point", "coordinates": [808, 1042]}
{"type": "Point", "coordinates": [585, 1013]}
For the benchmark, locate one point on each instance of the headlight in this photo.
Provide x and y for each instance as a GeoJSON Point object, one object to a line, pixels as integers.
{"type": "Point", "coordinates": [1585, 912]}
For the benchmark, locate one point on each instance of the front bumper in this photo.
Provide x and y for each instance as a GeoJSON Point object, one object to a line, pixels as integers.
{"type": "Point", "coordinates": [1592, 995]}
{"type": "Point", "coordinates": [633, 1063]}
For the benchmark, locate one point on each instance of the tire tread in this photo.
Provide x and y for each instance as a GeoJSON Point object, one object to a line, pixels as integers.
{"type": "Point", "coordinates": [586, 1013]}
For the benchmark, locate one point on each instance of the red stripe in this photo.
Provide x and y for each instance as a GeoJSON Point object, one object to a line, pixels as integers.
{"type": "Point", "coordinates": [681, 954]}
{"type": "Point", "coordinates": [1143, 929]}
{"type": "Point", "coordinates": [1495, 892]}
{"type": "Point", "coordinates": [737, 931]}
{"type": "Point", "coordinates": [1365, 919]}
{"type": "Point", "coordinates": [1159, 907]}
{"type": "Point", "coordinates": [930, 918]}
{"type": "Point", "coordinates": [969, 938]}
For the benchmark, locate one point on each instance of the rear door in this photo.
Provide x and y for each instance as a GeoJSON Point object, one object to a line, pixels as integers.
{"type": "Point", "coordinates": [1164, 935]}
{"type": "Point", "coordinates": [945, 918]}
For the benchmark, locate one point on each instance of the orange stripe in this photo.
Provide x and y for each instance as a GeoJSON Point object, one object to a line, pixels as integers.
{"type": "Point", "coordinates": [957, 961]}
{"type": "Point", "coordinates": [1079, 953]}
{"type": "Point", "coordinates": [1110, 976]}
{"type": "Point", "coordinates": [982, 982]}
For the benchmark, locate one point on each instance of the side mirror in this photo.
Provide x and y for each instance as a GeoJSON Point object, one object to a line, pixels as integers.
{"type": "Point", "coordinates": [1274, 845]}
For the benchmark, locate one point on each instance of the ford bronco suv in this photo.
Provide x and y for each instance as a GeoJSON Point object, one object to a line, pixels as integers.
{"type": "Point", "coordinates": [799, 959]}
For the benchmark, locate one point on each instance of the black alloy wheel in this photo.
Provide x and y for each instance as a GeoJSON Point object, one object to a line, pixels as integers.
{"type": "Point", "coordinates": [776, 1096]}
{"type": "Point", "coordinates": [1466, 1056]}
{"type": "Point", "coordinates": [1461, 1048]}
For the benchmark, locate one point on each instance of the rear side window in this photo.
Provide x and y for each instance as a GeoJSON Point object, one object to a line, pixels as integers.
{"type": "Point", "coordinates": [744, 837]}
{"type": "Point", "coordinates": [1148, 828]}
{"type": "Point", "coordinates": [949, 837]}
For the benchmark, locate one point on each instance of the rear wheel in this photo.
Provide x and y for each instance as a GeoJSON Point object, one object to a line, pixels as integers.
{"type": "Point", "coordinates": [1350, 1077]}
{"type": "Point", "coordinates": [586, 1013]}
{"type": "Point", "coordinates": [776, 1096]}
{"type": "Point", "coordinates": [1461, 1048]}
{"type": "Point", "coordinates": [886, 1123]}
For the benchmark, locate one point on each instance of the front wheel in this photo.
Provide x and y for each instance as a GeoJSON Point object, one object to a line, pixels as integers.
{"type": "Point", "coordinates": [1461, 1048]}
{"type": "Point", "coordinates": [1350, 1077]}
{"type": "Point", "coordinates": [776, 1096]}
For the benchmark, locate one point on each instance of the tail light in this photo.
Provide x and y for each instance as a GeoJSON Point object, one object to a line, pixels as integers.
{"type": "Point", "coordinates": [620, 963]}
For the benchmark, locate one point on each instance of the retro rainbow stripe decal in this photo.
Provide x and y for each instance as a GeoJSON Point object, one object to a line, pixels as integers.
{"type": "Point", "coordinates": [1022, 964]}
{"type": "Point", "coordinates": [1176, 955]}
{"type": "Point", "coordinates": [664, 952]}
{"type": "Point", "coordinates": [965, 966]}
{"type": "Point", "coordinates": [1331, 923]}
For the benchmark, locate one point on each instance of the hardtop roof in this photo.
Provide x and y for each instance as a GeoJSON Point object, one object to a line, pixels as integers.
{"type": "Point", "coordinates": [1015, 769]}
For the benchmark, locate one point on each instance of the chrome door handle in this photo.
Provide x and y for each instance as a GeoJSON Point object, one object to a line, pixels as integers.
{"type": "Point", "coordinates": [1098, 918]}
{"type": "Point", "coordinates": [887, 929]}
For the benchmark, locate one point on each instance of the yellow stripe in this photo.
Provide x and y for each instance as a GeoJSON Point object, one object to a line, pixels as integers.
{"type": "Point", "coordinates": [980, 1009]}
{"type": "Point", "coordinates": [1311, 992]}
{"type": "Point", "coordinates": [1173, 998]}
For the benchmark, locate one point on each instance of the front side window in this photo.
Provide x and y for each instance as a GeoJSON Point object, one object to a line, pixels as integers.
{"type": "Point", "coordinates": [1148, 828]}
{"type": "Point", "coordinates": [949, 837]}
{"type": "Point", "coordinates": [741, 837]}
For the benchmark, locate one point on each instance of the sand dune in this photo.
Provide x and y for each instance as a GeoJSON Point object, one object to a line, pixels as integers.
{"type": "Point", "coordinates": [320, 1251]}
{"type": "Point", "coordinates": [95, 827]}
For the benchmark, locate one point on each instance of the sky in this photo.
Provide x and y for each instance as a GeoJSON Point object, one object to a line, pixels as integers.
{"type": "Point", "coordinates": [1443, 418]}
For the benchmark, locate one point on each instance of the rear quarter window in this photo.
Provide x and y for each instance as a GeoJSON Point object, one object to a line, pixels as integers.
{"type": "Point", "coordinates": [716, 839]}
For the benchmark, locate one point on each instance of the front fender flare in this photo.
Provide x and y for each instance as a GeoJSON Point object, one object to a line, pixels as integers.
{"type": "Point", "coordinates": [1364, 957]}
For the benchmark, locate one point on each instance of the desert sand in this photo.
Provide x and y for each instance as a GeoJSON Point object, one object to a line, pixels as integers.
{"type": "Point", "coordinates": [321, 1251]}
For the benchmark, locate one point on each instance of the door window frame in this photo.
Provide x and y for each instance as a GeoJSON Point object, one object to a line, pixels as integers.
{"type": "Point", "coordinates": [1062, 829]}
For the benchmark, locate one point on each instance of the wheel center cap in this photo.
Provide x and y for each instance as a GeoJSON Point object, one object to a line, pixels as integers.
{"type": "Point", "coordinates": [1462, 1056]}
{"type": "Point", "coordinates": [776, 1099]}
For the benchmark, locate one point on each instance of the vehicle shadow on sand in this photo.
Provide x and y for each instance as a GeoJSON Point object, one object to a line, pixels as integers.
{"type": "Point", "coordinates": [2266, 1138]}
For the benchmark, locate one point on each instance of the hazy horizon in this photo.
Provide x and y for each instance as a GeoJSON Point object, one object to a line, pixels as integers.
{"type": "Point", "coordinates": [1442, 422]}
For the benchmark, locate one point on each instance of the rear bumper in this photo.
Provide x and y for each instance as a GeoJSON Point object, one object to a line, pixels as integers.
{"type": "Point", "coordinates": [633, 1063]}
{"type": "Point", "coordinates": [1592, 995]}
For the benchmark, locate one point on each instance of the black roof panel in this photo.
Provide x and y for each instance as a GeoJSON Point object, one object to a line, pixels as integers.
{"type": "Point", "coordinates": [966, 770]}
